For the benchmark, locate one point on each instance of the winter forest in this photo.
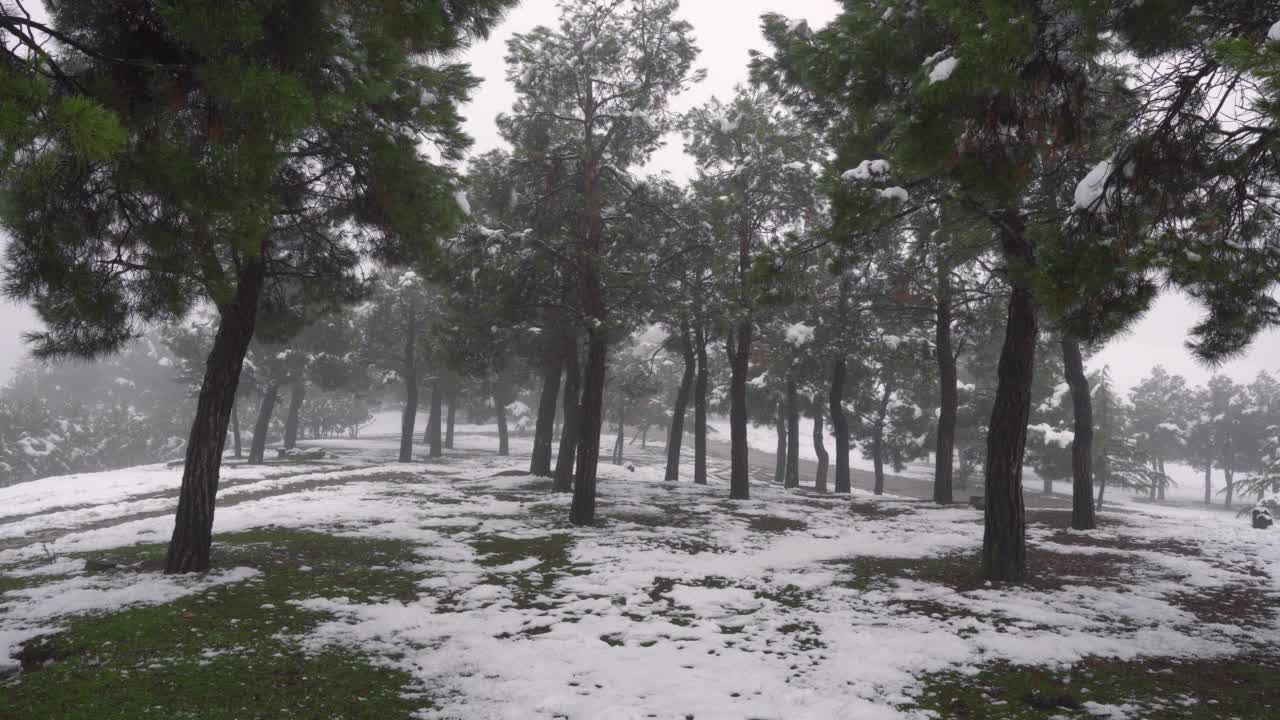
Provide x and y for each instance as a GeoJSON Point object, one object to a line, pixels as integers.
{"type": "Point", "coordinates": [331, 412]}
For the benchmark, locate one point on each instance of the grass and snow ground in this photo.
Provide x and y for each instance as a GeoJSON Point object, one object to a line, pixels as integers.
{"type": "Point", "coordinates": [456, 589]}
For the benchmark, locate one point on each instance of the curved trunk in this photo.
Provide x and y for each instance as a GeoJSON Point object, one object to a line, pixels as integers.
{"type": "Point", "coordinates": [297, 391]}
{"type": "Point", "coordinates": [739, 452]}
{"type": "Point", "coordinates": [675, 434]}
{"type": "Point", "coordinates": [819, 449]}
{"type": "Point", "coordinates": [949, 397]}
{"type": "Point", "coordinates": [1004, 542]}
{"type": "Point", "coordinates": [572, 416]}
{"type": "Point", "coordinates": [544, 430]}
{"type": "Point", "coordinates": [434, 440]}
{"type": "Point", "coordinates": [793, 436]}
{"type": "Point", "coordinates": [192, 537]}
{"type": "Point", "coordinates": [258, 446]}
{"type": "Point", "coordinates": [700, 409]}
{"type": "Point", "coordinates": [1083, 516]}
{"type": "Point", "coordinates": [840, 426]}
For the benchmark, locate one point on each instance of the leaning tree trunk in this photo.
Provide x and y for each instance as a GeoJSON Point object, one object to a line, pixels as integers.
{"type": "Point", "coordinates": [780, 466]}
{"type": "Point", "coordinates": [675, 434]}
{"type": "Point", "coordinates": [840, 427]}
{"type": "Point", "coordinates": [739, 452]}
{"type": "Point", "coordinates": [192, 536]}
{"type": "Point", "coordinates": [949, 396]}
{"type": "Point", "coordinates": [569, 428]}
{"type": "Point", "coordinates": [819, 449]}
{"type": "Point", "coordinates": [409, 416]}
{"type": "Point", "coordinates": [434, 439]}
{"type": "Point", "coordinates": [793, 436]}
{"type": "Point", "coordinates": [258, 446]}
{"type": "Point", "coordinates": [449, 418]}
{"type": "Point", "coordinates": [235, 430]}
{"type": "Point", "coordinates": [1004, 542]}
{"type": "Point", "coordinates": [700, 409]}
{"type": "Point", "coordinates": [1083, 516]}
{"type": "Point", "coordinates": [544, 430]}
{"type": "Point", "coordinates": [297, 391]}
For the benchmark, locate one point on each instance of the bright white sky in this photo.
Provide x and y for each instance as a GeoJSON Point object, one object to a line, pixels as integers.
{"type": "Point", "coordinates": [726, 30]}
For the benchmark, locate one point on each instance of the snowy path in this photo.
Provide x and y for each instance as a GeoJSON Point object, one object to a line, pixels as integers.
{"type": "Point", "coordinates": [790, 605]}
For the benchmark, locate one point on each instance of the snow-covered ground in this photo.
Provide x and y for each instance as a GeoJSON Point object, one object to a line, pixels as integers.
{"type": "Point", "coordinates": [681, 603]}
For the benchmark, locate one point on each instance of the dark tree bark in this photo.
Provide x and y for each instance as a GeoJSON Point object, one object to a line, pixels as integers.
{"type": "Point", "coordinates": [544, 430]}
{"type": "Point", "coordinates": [820, 449]}
{"type": "Point", "coordinates": [434, 439]}
{"type": "Point", "coordinates": [1163, 483]}
{"type": "Point", "coordinates": [793, 436]}
{"type": "Point", "coordinates": [877, 440]}
{"type": "Point", "coordinates": [840, 427]}
{"type": "Point", "coordinates": [235, 430]}
{"type": "Point", "coordinates": [572, 417]}
{"type": "Point", "coordinates": [409, 416]}
{"type": "Point", "coordinates": [1083, 516]}
{"type": "Point", "coordinates": [1208, 483]}
{"type": "Point", "coordinates": [949, 396]}
{"type": "Point", "coordinates": [1229, 475]}
{"type": "Point", "coordinates": [621, 439]}
{"type": "Point", "coordinates": [583, 511]}
{"type": "Point", "coordinates": [780, 455]}
{"type": "Point", "coordinates": [297, 391]}
{"type": "Point", "coordinates": [1004, 548]}
{"type": "Point", "coordinates": [739, 452]}
{"type": "Point", "coordinates": [258, 446]}
{"type": "Point", "coordinates": [675, 434]}
{"type": "Point", "coordinates": [700, 409]}
{"type": "Point", "coordinates": [192, 536]}
{"type": "Point", "coordinates": [500, 410]}
{"type": "Point", "coordinates": [450, 416]}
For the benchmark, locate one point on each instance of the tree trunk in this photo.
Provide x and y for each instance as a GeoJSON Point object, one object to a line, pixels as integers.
{"type": "Point", "coordinates": [500, 410]}
{"type": "Point", "coordinates": [793, 436]}
{"type": "Point", "coordinates": [675, 434]}
{"type": "Point", "coordinates": [1163, 481]}
{"type": "Point", "coordinates": [949, 396]}
{"type": "Point", "coordinates": [1083, 516]}
{"type": "Point", "coordinates": [1004, 548]}
{"type": "Point", "coordinates": [192, 537]}
{"type": "Point", "coordinates": [780, 455]}
{"type": "Point", "coordinates": [569, 427]}
{"type": "Point", "coordinates": [258, 447]}
{"type": "Point", "coordinates": [840, 426]}
{"type": "Point", "coordinates": [235, 430]}
{"type": "Point", "coordinates": [700, 409]}
{"type": "Point", "coordinates": [434, 440]}
{"type": "Point", "coordinates": [544, 430]}
{"type": "Point", "coordinates": [739, 452]}
{"type": "Point", "coordinates": [1229, 475]}
{"type": "Point", "coordinates": [297, 391]}
{"type": "Point", "coordinates": [409, 416]}
{"type": "Point", "coordinates": [1208, 483]}
{"type": "Point", "coordinates": [583, 511]}
{"type": "Point", "coordinates": [450, 416]}
{"type": "Point", "coordinates": [819, 449]}
{"type": "Point", "coordinates": [877, 441]}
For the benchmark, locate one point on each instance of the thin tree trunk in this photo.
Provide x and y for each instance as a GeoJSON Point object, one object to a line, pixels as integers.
{"type": "Point", "coordinates": [500, 410]}
{"type": "Point", "coordinates": [793, 436]}
{"type": "Point", "coordinates": [1083, 516]}
{"type": "Point", "coordinates": [409, 416]}
{"type": "Point", "coordinates": [450, 417]}
{"type": "Point", "coordinates": [544, 430]}
{"type": "Point", "coordinates": [877, 441]}
{"type": "Point", "coordinates": [192, 537]}
{"type": "Point", "coordinates": [1208, 483]}
{"type": "Point", "coordinates": [780, 455]}
{"type": "Point", "coordinates": [1163, 481]}
{"type": "Point", "coordinates": [840, 426]}
{"type": "Point", "coordinates": [258, 446]}
{"type": "Point", "coordinates": [572, 417]}
{"type": "Point", "coordinates": [1229, 475]}
{"type": "Point", "coordinates": [819, 449]}
{"type": "Point", "coordinates": [949, 395]}
{"type": "Point", "coordinates": [739, 452]}
{"type": "Point", "coordinates": [297, 391]}
{"type": "Point", "coordinates": [434, 440]}
{"type": "Point", "coordinates": [675, 434]}
{"type": "Point", "coordinates": [621, 439]}
{"type": "Point", "coordinates": [1004, 548]}
{"type": "Point", "coordinates": [700, 409]}
{"type": "Point", "coordinates": [235, 430]}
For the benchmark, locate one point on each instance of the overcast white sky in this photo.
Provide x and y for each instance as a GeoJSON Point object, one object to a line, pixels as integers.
{"type": "Point", "coordinates": [726, 30]}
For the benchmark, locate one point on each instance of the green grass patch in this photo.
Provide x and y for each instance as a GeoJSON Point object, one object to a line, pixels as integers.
{"type": "Point", "coordinates": [228, 652]}
{"type": "Point", "coordinates": [1157, 689]}
{"type": "Point", "coordinates": [551, 553]}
